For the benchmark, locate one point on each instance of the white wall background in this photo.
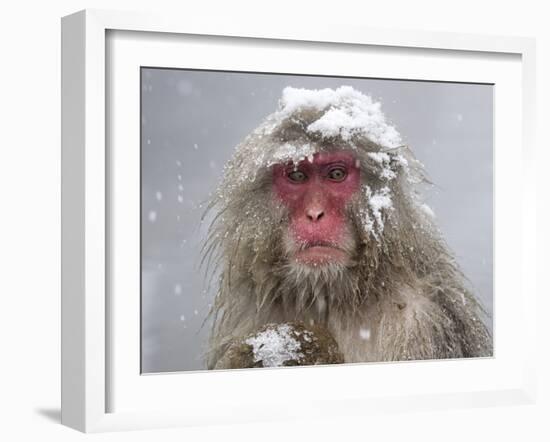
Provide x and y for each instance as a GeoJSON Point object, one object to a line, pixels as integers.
{"type": "Point", "coordinates": [30, 233]}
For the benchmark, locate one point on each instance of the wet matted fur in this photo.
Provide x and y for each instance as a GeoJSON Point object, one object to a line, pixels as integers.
{"type": "Point", "coordinates": [402, 297]}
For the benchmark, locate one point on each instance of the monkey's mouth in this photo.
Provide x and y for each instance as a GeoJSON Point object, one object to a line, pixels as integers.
{"type": "Point", "coordinates": [321, 253]}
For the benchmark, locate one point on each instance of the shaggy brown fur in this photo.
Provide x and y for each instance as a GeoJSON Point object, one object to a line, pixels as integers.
{"type": "Point", "coordinates": [403, 296]}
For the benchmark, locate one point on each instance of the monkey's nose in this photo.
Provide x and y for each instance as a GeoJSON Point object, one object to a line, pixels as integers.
{"type": "Point", "coordinates": [315, 214]}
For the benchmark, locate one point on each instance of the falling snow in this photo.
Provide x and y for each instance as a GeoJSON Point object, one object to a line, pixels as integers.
{"type": "Point", "coordinates": [364, 333]}
{"type": "Point", "coordinates": [184, 88]}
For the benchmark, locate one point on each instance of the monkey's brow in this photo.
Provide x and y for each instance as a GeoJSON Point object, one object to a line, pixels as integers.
{"type": "Point", "coordinates": [319, 165]}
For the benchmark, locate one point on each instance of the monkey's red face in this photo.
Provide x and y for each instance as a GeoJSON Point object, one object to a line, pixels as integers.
{"type": "Point", "coordinates": [316, 195]}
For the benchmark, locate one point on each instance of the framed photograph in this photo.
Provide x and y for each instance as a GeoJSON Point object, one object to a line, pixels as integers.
{"type": "Point", "coordinates": [249, 214]}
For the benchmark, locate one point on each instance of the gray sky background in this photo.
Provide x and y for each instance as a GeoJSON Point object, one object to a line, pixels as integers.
{"type": "Point", "coordinates": [191, 122]}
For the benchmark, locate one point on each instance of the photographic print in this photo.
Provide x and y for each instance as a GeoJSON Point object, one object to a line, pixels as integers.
{"type": "Point", "coordinates": [293, 220]}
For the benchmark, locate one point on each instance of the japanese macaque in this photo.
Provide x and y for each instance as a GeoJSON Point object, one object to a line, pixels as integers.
{"type": "Point", "coordinates": [324, 250]}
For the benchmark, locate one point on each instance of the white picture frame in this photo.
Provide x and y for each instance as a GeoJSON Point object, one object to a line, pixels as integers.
{"type": "Point", "coordinates": [90, 361]}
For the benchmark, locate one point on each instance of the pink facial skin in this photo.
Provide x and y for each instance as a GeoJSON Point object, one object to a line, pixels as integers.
{"type": "Point", "coordinates": [316, 194]}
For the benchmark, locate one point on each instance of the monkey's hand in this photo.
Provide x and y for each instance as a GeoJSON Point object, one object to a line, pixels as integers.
{"type": "Point", "coordinates": [282, 345]}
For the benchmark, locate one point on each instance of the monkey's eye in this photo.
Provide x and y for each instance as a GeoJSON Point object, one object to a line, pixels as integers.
{"type": "Point", "coordinates": [297, 176]}
{"type": "Point", "coordinates": [337, 174]}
